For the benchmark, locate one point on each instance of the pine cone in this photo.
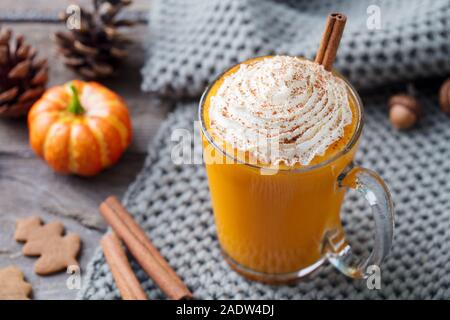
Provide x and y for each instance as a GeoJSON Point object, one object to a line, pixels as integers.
{"type": "Point", "coordinates": [22, 77]}
{"type": "Point", "coordinates": [95, 49]}
{"type": "Point", "coordinates": [404, 111]}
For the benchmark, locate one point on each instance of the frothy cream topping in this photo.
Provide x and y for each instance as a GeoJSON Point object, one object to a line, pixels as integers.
{"type": "Point", "coordinates": [280, 109]}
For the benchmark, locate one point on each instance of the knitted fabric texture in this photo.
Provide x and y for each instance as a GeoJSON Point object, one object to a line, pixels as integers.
{"type": "Point", "coordinates": [171, 202]}
{"type": "Point", "coordinates": [192, 41]}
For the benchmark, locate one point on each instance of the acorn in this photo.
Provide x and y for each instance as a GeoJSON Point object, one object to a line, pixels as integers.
{"type": "Point", "coordinates": [404, 111]}
{"type": "Point", "coordinates": [444, 96]}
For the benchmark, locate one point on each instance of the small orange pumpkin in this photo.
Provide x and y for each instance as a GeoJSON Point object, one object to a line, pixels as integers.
{"type": "Point", "coordinates": [79, 127]}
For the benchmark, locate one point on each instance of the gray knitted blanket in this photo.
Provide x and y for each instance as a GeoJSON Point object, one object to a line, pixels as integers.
{"type": "Point", "coordinates": [171, 202]}
{"type": "Point", "coordinates": [193, 40]}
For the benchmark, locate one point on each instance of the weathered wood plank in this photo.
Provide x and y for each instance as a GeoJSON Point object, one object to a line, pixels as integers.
{"type": "Point", "coordinates": [48, 10]}
{"type": "Point", "coordinates": [28, 186]}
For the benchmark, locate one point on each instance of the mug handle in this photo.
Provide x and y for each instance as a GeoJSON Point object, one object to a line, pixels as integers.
{"type": "Point", "coordinates": [337, 250]}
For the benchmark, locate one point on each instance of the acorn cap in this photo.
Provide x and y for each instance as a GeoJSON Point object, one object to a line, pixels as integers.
{"type": "Point", "coordinates": [444, 96]}
{"type": "Point", "coordinates": [407, 101]}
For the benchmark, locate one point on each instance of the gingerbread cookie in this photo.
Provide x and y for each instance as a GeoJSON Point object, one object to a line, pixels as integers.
{"type": "Point", "coordinates": [12, 284]}
{"type": "Point", "coordinates": [56, 252]}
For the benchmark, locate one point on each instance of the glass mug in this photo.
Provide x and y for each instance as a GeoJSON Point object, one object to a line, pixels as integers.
{"type": "Point", "coordinates": [280, 226]}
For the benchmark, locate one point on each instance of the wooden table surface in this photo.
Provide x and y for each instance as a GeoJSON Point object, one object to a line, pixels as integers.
{"type": "Point", "coordinates": [28, 186]}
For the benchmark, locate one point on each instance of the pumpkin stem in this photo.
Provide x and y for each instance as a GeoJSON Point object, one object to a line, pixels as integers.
{"type": "Point", "coordinates": [75, 106]}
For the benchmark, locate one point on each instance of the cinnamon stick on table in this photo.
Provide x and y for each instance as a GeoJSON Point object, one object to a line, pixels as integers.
{"type": "Point", "coordinates": [143, 250]}
{"type": "Point", "coordinates": [331, 38]}
{"type": "Point", "coordinates": [126, 281]}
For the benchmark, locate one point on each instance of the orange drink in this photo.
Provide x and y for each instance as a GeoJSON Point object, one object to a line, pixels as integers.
{"type": "Point", "coordinates": [279, 223]}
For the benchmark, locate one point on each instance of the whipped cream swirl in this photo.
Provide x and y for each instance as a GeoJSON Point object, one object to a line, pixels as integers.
{"type": "Point", "coordinates": [280, 109]}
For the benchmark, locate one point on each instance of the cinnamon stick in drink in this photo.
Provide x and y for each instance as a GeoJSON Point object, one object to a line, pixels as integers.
{"type": "Point", "coordinates": [331, 38]}
{"type": "Point", "coordinates": [126, 281]}
{"type": "Point", "coordinates": [143, 250]}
